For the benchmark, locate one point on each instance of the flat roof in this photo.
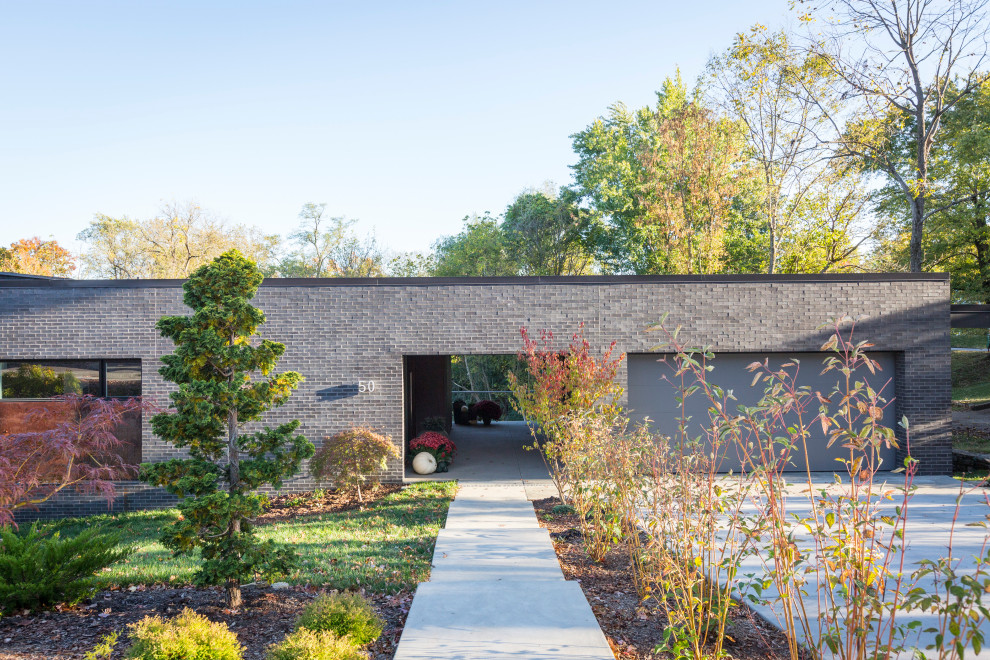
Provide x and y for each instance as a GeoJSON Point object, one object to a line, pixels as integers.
{"type": "Point", "coordinates": [970, 316]}
{"type": "Point", "coordinates": [577, 280]}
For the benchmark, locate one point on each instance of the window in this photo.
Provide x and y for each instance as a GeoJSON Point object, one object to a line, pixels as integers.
{"type": "Point", "coordinates": [43, 379]}
{"type": "Point", "coordinates": [123, 377]}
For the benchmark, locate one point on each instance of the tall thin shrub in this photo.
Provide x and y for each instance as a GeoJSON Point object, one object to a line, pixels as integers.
{"type": "Point", "coordinates": [567, 386]}
{"type": "Point", "coordinates": [694, 517]}
{"type": "Point", "coordinates": [852, 565]}
{"type": "Point", "coordinates": [225, 378]}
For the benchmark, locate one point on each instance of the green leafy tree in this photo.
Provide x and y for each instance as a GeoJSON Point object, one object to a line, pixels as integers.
{"type": "Point", "coordinates": [829, 226]}
{"type": "Point", "coordinates": [480, 250]}
{"type": "Point", "coordinates": [669, 187]}
{"type": "Point", "coordinates": [34, 381]}
{"type": "Point", "coordinates": [901, 64]}
{"type": "Point", "coordinates": [329, 247]}
{"type": "Point", "coordinates": [411, 264]}
{"type": "Point", "coordinates": [542, 230]}
{"type": "Point", "coordinates": [957, 238]}
{"type": "Point", "coordinates": [610, 175]}
{"type": "Point", "coordinates": [960, 234]}
{"type": "Point", "coordinates": [213, 366]}
{"type": "Point", "coordinates": [780, 95]}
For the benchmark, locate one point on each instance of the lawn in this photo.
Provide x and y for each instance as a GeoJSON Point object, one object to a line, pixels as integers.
{"type": "Point", "coordinates": [385, 547]}
{"type": "Point", "coordinates": [970, 377]}
{"type": "Point", "coordinates": [969, 338]}
{"type": "Point", "coordinates": [971, 441]}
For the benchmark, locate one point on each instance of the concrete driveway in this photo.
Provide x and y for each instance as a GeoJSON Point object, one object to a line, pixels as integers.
{"type": "Point", "coordinates": [930, 521]}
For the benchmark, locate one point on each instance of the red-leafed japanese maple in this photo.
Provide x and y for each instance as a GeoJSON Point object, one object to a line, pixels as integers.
{"type": "Point", "coordinates": [568, 389]}
{"type": "Point", "coordinates": [76, 447]}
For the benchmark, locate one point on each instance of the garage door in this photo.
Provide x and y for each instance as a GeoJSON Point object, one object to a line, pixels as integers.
{"type": "Point", "coordinates": [650, 396]}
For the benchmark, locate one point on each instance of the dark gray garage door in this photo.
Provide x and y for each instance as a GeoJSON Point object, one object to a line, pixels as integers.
{"type": "Point", "coordinates": [650, 396]}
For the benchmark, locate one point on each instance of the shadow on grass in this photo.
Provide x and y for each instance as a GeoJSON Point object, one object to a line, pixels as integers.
{"type": "Point", "coordinates": [385, 547]}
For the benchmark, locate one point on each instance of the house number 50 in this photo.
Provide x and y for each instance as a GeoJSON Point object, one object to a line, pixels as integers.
{"type": "Point", "coordinates": [366, 386]}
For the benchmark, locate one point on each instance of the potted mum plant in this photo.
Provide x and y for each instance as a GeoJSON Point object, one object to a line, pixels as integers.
{"type": "Point", "coordinates": [486, 411]}
{"type": "Point", "coordinates": [437, 444]}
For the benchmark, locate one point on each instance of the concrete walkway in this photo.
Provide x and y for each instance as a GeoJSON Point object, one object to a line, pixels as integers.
{"type": "Point", "coordinates": [978, 420]}
{"type": "Point", "coordinates": [495, 454]}
{"type": "Point", "coordinates": [496, 589]}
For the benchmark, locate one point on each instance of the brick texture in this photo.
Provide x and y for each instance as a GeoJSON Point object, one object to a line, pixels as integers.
{"type": "Point", "coordinates": [338, 332]}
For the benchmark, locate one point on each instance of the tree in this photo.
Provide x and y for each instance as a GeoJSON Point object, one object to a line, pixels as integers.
{"type": "Point", "coordinates": [901, 62]}
{"type": "Point", "coordinates": [35, 381]}
{"type": "Point", "coordinates": [34, 256]}
{"type": "Point", "coordinates": [957, 238]}
{"type": "Point", "coordinates": [668, 186]}
{"type": "Point", "coordinates": [480, 250]}
{"type": "Point", "coordinates": [75, 448]}
{"type": "Point", "coordinates": [827, 230]}
{"type": "Point", "coordinates": [116, 249]}
{"type": "Point", "coordinates": [777, 92]}
{"type": "Point", "coordinates": [692, 181]}
{"type": "Point", "coordinates": [411, 264]}
{"type": "Point", "coordinates": [960, 234]}
{"type": "Point", "coordinates": [609, 174]}
{"type": "Point", "coordinates": [328, 247]}
{"type": "Point", "coordinates": [213, 365]}
{"type": "Point", "coordinates": [543, 233]}
{"type": "Point", "coordinates": [174, 243]}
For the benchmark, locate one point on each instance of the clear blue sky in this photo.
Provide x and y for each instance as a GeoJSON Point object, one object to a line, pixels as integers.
{"type": "Point", "coordinates": [407, 116]}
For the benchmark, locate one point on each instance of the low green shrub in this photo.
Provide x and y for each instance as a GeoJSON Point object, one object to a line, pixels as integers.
{"type": "Point", "coordinates": [187, 636]}
{"type": "Point", "coordinates": [38, 571]}
{"type": "Point", "coordinates": [350, 458]}
{"type": "Point", "coordinates": [105, 648]}
{"type": "Point", "coordinates": [305, 644]}
{"type": "Point", "coordinates": [343, 614]}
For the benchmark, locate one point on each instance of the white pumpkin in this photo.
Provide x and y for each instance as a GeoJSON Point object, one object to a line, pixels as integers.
{"type": "Point", "coordinates": [424, 463]}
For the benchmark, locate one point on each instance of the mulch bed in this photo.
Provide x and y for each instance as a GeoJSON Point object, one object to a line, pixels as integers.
{"type": "Point", "coordinates": [265, 618]}
{"type": "Point", "coordinates": [284, 507]}
{"type": "Point", "coordinates": [635, 628]}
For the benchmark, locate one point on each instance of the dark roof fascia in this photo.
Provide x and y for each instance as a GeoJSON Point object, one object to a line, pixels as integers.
{"type": "Point", "coordinates": [578, 280]}
{"type": "Point", "coordinates": [8, 275]}
{"type": "Point", "coordinates": [969, 316]}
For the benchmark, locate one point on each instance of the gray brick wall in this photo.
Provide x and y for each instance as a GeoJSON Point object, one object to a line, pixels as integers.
{"type": "Point", "coordinates": [340, 331]}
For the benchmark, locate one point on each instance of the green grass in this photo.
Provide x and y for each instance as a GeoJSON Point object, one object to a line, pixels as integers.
{"type": "Point", "coordinates": [971, 442]}
{"type": "Point", "coordinates": [976, 475]}
{"type": "Point", "coordinates": [970, 378]}
{"type": "Point", "coordinates": [386, 547]}
{"type": "Point", "coordinates": [970, 395]}
{"type": "Point", "coordinates": [969, 338]}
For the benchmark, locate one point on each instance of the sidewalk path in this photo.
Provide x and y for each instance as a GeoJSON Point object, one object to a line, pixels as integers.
{"type": "Point", "coordinates": [496, 589]}
{"type": "Point", "coordinates": [971, 419]}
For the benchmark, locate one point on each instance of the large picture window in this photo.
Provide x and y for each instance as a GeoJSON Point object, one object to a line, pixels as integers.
{"type": "Point", "coordinates": [44, 379]}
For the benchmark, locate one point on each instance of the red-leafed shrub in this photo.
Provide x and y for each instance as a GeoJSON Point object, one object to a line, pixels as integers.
{"type": "Point", "coordinates": [76, 448]}
{"type": "Point", "coordinates": [487, 411]}
{"type": "Point", "coordinates": [436, 443]}
{"type": "Point", "coordinates": [569, 392]}
{"type": "Point", "coordinates": [350, 458]}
